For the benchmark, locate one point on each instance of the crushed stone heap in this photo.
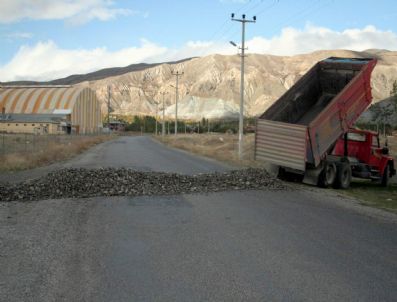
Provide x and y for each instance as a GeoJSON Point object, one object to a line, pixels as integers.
{"type": "Point", "coordinates": [81, 183]}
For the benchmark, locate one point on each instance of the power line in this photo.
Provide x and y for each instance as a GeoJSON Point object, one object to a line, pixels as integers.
{"type": "Point", "coordinates": [243, 6]}
{"type": "Point", "coordinates": [260, 2]}
{"type": "Point", "coordinates": [265, 9]}
{"type": "Point", "coordinates": [219, 34]}
{"type": "Point", "coordinates": [306, 11]}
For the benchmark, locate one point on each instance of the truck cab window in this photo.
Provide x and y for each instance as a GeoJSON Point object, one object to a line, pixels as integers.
{"type": "Point", "coordinates": [356, 137]}
{"type": "Point", "coordinates": [375, 142]}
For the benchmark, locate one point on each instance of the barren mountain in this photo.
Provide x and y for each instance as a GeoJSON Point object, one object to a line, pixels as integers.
{"type": "Point", "coordinates": [218, 77]}
{"type": "Point", "coordinates": [196, 108]}
{"type": "Point", "coordinates": [135, 89]}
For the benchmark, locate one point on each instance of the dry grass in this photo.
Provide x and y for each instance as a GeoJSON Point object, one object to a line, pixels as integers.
{"type": "Point", "coordinates": [52, 152]}
{"type": "Point", "coordinates": [222, 147]}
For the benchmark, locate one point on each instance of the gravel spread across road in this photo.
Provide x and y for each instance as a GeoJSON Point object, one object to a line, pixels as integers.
{"type": "Point", "coordinates": [80, 183]}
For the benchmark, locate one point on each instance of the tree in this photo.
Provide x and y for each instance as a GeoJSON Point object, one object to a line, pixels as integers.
{"type": "Point", "coordinates": [393, 91]}
{"type": "Point", "coordinates": [393, 94]}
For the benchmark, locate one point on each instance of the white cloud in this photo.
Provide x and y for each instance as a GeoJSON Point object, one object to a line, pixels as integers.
{"type": "Point", "coordinates": [74, 11]}
{"type": "Point", "coordinates": [46, 61]}
{"type": "Point", "coordinates": [294, 41]}
{"type": "Point", "coordinates": [19, 35]}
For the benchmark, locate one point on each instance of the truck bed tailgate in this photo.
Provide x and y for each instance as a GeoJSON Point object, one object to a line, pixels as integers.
{"type": "Point", "coordinates": [281, 144]}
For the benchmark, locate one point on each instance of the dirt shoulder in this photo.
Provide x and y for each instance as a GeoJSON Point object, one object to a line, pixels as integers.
{"type": "Point", "coordinates": [222, 147]}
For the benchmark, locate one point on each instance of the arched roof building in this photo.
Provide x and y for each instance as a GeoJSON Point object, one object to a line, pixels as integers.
{"type": "Point", "coordinates": [80, 103]}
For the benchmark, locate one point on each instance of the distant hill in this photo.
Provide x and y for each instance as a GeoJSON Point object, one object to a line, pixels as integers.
{"type": "Point", "coordinates": [96, 75]}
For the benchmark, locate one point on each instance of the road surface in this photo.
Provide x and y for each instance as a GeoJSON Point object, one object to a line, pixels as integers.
{"type": "Point", "coordinates": [297, 245]}
{"type": "Point", "coordinates": [137, 152]}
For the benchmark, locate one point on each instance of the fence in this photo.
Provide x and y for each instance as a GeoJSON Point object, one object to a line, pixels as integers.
{"type": "Point", "coordinates": [31, 143]}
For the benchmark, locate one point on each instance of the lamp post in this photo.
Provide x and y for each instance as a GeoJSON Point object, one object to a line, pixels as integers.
{"type": "Point", "coordinates": [243, 20]}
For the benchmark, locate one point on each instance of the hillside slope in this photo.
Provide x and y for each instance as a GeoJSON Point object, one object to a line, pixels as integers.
{"type": "Point", "coordinates": [267, 77]}
{"type": "Point", "coordinates": [216, 76]}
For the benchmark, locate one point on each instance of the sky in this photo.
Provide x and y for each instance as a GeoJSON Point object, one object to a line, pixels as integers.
{"type": "Point", "coordinates": [49, 39]}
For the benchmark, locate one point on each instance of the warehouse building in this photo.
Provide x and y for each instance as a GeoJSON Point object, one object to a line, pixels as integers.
{"type": "Point", "coordinates": [50, 109]}
{"type": "Point", "coordinates": [35, 123]}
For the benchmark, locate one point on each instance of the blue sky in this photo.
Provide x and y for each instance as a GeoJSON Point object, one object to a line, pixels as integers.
{"type": "Point", "coordinates": [47, 39]}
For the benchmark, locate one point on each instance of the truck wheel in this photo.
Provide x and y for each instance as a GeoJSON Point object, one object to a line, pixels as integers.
{"type": "Point", "coordinates": [327, 176]}
{"type": "Point", "coordinates": [385, 177]}
{"type": "Point", "coordinates": [343, 176]}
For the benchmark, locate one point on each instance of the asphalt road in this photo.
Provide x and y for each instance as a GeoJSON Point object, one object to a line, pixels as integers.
{"type": "Point", "coordinates": [297, 245]}
{"type": "Point", "coordinates": [137, 152]}
{"type": "Point", "coordinates": [144, 154]}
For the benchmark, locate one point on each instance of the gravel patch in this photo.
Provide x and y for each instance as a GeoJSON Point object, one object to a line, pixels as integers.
{"type": "Point", "coordinates": [81, 183]}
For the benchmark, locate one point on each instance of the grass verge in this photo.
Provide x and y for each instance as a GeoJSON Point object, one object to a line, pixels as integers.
{"type": "Point", "coordinates": [51, 152]}
{"type": "Point", "coordinates": [372, 194]}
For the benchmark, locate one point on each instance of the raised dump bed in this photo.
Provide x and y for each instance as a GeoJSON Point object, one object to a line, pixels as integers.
{"type": "Point", "coordinates": [302, 127]}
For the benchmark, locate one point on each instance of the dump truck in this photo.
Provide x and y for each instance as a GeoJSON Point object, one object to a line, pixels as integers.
{"type": "Point", "coordinates": [309, 130]}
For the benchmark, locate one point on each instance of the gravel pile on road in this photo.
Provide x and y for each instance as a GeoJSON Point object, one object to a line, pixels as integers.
{"type": "Point", "coordinates": [80, 183]}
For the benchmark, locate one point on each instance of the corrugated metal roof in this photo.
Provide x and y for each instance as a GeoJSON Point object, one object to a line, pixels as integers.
{"type": "Point", "coordinates": [38, 99]}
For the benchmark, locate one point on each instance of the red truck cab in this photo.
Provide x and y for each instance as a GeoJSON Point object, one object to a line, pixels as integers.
{"type": "Point", "coordinates": [366, 157]}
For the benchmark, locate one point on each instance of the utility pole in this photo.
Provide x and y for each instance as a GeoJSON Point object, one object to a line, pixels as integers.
{"type": "Point", "coordinates": [241, 118]}
{"type": "Point", "coordinates": [163, 93]}
{"type": "Point", "coordinates": [157, 110]}
{"type": "Point", "coordinates": [177, 75]}
{"type": "Point", "coordinates": [109, 107]}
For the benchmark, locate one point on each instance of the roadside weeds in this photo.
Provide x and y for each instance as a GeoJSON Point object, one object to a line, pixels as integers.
{"type": "Point", "coordinates": [52, 152]}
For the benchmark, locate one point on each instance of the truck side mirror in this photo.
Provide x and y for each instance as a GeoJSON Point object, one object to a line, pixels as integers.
{"type": "Point", "coordinates": [385, 151]}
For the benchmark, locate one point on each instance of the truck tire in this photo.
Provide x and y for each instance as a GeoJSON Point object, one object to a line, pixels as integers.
{"type": "Point", "coordinates": [281, 174]}
{"type": "Point", "coordinates": [343, 176]}
{"type": "Point", "coordinates": [385, 177]}
{"type": "Point", "coordinates": [288, 176]}
{"type": "Point", "coordinates": [327, 176]}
